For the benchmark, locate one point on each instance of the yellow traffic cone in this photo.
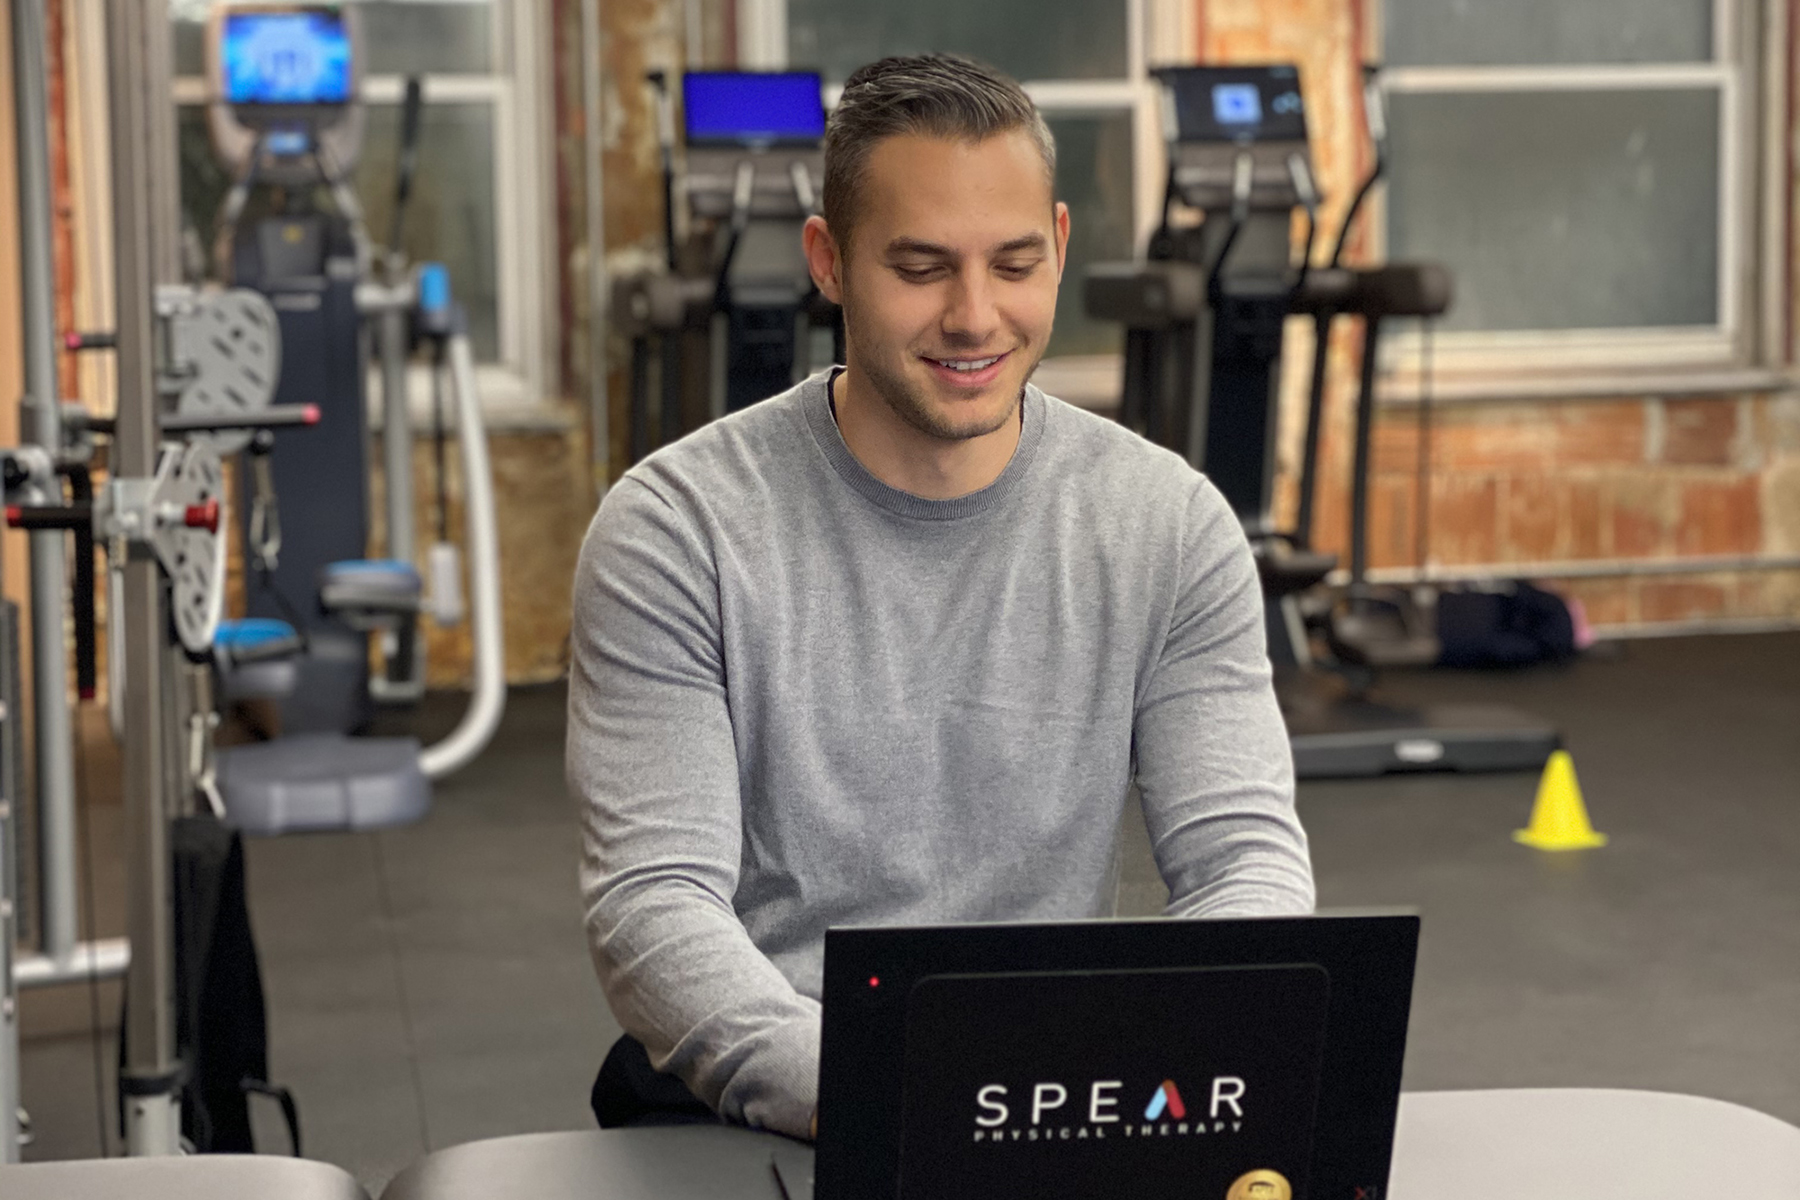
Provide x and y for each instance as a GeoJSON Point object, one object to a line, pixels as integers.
{"type": "Point", "coordinates": [1559, 820]}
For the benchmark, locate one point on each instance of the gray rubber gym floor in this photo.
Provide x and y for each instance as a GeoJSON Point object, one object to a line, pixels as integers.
{"type": "Point", "coordinates": [430, 986]}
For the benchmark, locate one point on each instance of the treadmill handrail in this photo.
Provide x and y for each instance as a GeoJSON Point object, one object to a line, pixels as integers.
{"type": "Point", "coordinates": [487, 702]}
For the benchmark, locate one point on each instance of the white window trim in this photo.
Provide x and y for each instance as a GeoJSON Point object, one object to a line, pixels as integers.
{"type": "Point", "coordinates": [523, 375]}
{"type": "Point", "coordinates": [1747, 339]}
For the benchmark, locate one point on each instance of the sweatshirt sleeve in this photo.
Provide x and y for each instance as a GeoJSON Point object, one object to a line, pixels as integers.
{"type": "Point", "coordinates": [653, 767]}
{"type": "Point", "coordinates": [1214, 768]}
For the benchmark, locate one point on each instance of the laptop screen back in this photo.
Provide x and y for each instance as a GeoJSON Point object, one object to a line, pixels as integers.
{"type": "Point", "coordinates": [1070, 1084]}
{"type": "Point", "coordinates": [945, 1048]}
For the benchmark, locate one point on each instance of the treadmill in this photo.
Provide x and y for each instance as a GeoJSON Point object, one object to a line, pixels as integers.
{"type": "Point", "coordinates": [1205, 312]}
{"type": "Point", "coordinates": [731, 316]}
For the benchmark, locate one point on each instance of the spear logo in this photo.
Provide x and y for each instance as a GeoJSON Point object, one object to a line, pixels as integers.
{"type": "Point", "coordinates": [1166, 1098]}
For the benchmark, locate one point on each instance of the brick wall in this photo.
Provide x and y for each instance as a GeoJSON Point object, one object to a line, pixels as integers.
{"type": "Point", "coordinates": [1528, 480]}
{"type": "Point", "coordinates": [636, 36]}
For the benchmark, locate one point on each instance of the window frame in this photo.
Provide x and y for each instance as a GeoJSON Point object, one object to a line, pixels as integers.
{"type": "Point", "coordinates": [523, 376]}
{"type": "Point", "coordinates": [1747, 345]}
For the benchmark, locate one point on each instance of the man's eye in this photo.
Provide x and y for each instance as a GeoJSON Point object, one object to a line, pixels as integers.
{"type": "Point", "coordinates": [917, 274]}
{"type": "Point", "coordinates": [1017, 270]}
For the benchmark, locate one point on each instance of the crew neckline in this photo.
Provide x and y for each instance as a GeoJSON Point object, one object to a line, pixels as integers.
{"type": "Point", "coordinates": [816, 404]}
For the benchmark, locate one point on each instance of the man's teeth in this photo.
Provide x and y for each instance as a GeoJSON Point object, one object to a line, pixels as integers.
{"type": "Point", "coordinates": [967, 364]}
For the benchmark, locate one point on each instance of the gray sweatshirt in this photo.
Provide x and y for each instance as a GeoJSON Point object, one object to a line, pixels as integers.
{"type": "Point", "coordinates": [802, 698]}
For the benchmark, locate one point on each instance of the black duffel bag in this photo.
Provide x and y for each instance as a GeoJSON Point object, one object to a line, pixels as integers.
{"type": "Point", "coordinates": [1508, 625]}
{"type": "Point", "coordinates": [221, 1025]}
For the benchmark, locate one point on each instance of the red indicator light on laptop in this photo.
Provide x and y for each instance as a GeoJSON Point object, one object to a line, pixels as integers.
{"type": "Point", "coordinates": [874, 981]}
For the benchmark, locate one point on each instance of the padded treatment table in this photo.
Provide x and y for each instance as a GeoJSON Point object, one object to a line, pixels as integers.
{"type": "Point", "coordinates": [200, 1177]}
{"type": "Point", "coordinates": [1544, 1143]}
{"type": "Point", "coordinates": [679, 1162]}
{"type": "Point", "coordinates": [1524, 1144]}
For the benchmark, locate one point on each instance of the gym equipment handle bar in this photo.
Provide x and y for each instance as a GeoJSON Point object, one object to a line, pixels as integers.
{"type": "Point", "coordinates": [280, 416]}
{"type": "Point", "coordinates": [79, 516]}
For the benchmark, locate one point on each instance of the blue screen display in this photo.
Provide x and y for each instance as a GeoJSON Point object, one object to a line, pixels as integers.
{"type": "Point", "coordinates": [1237, 104]}
{"type": "Point", "coordinates": [285, 58]}
{"type": "Point", "coordinates": [752, 109]}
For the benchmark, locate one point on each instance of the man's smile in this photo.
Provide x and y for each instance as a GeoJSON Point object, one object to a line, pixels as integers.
{"type": "Point", "coordinates": [968, 372]}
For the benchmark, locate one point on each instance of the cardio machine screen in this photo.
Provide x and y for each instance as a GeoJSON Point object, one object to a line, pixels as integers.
{"type": "Point", "coordinates": [1235, 104]}
{"type": "Point", "coordinates": [291, 56]}
{"type": "Point", "coordinates": [753, 108]}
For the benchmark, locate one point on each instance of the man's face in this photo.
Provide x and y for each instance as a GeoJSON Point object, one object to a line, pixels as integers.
{"type": "Point", "coordinates": [949, 283]}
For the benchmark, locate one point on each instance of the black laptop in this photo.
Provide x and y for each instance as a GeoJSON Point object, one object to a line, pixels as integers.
{"type": "Point", "coordinates": [1253, 1059]}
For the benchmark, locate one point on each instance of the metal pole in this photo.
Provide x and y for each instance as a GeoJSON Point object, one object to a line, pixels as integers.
{"type": "Point", "coordinates": [144, 238]}
{"type": "Point", "coordinates": [9, 992]}
{"type": "Point", "coordinates": [396, 432]}
{"type": "Point", "coordinates": [1359, 479]}
{"type": "Point", "coordinates": [397, 451]}
{"type": "Point", "coordinates": [599, 402]}
{"type": "Point", "coordinates": [55, 760]}
{"type": "Point", "coordinates": [42, 424]}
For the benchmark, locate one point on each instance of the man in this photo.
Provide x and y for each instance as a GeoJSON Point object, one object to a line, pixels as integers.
{"type": "Point", "coordinates": [891, 647]}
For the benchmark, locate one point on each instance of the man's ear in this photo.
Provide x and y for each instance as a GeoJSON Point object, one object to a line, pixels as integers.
{"type": "Point", "coordinates": [823, 258]}
{"type": "Point", "coordinates": [1062, 238]}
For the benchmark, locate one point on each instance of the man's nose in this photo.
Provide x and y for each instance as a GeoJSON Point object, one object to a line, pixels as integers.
{"type": "Point", "coordinates": [972, 314]}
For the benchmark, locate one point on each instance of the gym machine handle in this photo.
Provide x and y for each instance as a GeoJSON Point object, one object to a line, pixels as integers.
{"type": "Point", "coordinates": [743, 190]}
{"type": "Point", "coordinates": [1302, 178]}
{"type": "Point", "coordinates": [49, 516]}
{"type": "Point", "coordinates": [92, 340]}
{"type": "Point", "coordinates": [1243, 177]}
{"type": "Point", "coordinates": [81, 515]}
{"type": "Point", "coordinates": [1406, 289]}
{"type": "Point", "coordinates": [81, 596]}
{"type": "Point", "coordinates": [1375, 119]}
{"type": "Point", "coordinates": [411, 111]}
{"type": "Point", "coordinates": [280, 416]}
{"type": "Point", "coordinates": [665, 141]}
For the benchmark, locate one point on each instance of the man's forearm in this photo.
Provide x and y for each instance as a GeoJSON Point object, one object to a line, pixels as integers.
{"type": "Point", "coordinates": [682, 977]}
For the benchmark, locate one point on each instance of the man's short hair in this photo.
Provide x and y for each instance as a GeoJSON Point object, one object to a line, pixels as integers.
{"type": "Point", "coordinates": [931, 95]}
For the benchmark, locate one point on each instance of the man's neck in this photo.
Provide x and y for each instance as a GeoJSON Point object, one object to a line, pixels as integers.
{"type": "Point", "coordinates": [904, 457]}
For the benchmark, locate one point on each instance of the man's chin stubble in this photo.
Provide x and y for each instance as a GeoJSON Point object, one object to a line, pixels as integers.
{"type": "Point", "coordinates": [905, 403]}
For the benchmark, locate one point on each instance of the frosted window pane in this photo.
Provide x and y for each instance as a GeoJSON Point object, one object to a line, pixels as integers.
{"type": "Point", "coordinates": [1047, 39]}
{"type": "Point", "coordinates": [400, 37]}
{"type": "Point", "coordinates": [1531, 32]}
{"type": "Point", "coordinates": [1566, 210]}
{"type": "Point", "coordinates": [1093, 177]}
{"type": "Point", "coordinates": [450, 215]}
{"type": "Point", "coordinates": [404, 37]}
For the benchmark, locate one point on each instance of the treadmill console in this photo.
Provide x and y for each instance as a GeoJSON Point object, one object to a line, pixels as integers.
{"type": "Point", "coordinates": [1231, 127]}
{"type": "Point", "coordinates": [286, 82]}
{"type": "Point", "coordinates": [755, 143]}
{"type": "Point", "coordinates": [1238, 105]}
{"type": "Point", "coordinates": [285, 56]}
{"type": "Point", "coordinates": [752, 110]}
